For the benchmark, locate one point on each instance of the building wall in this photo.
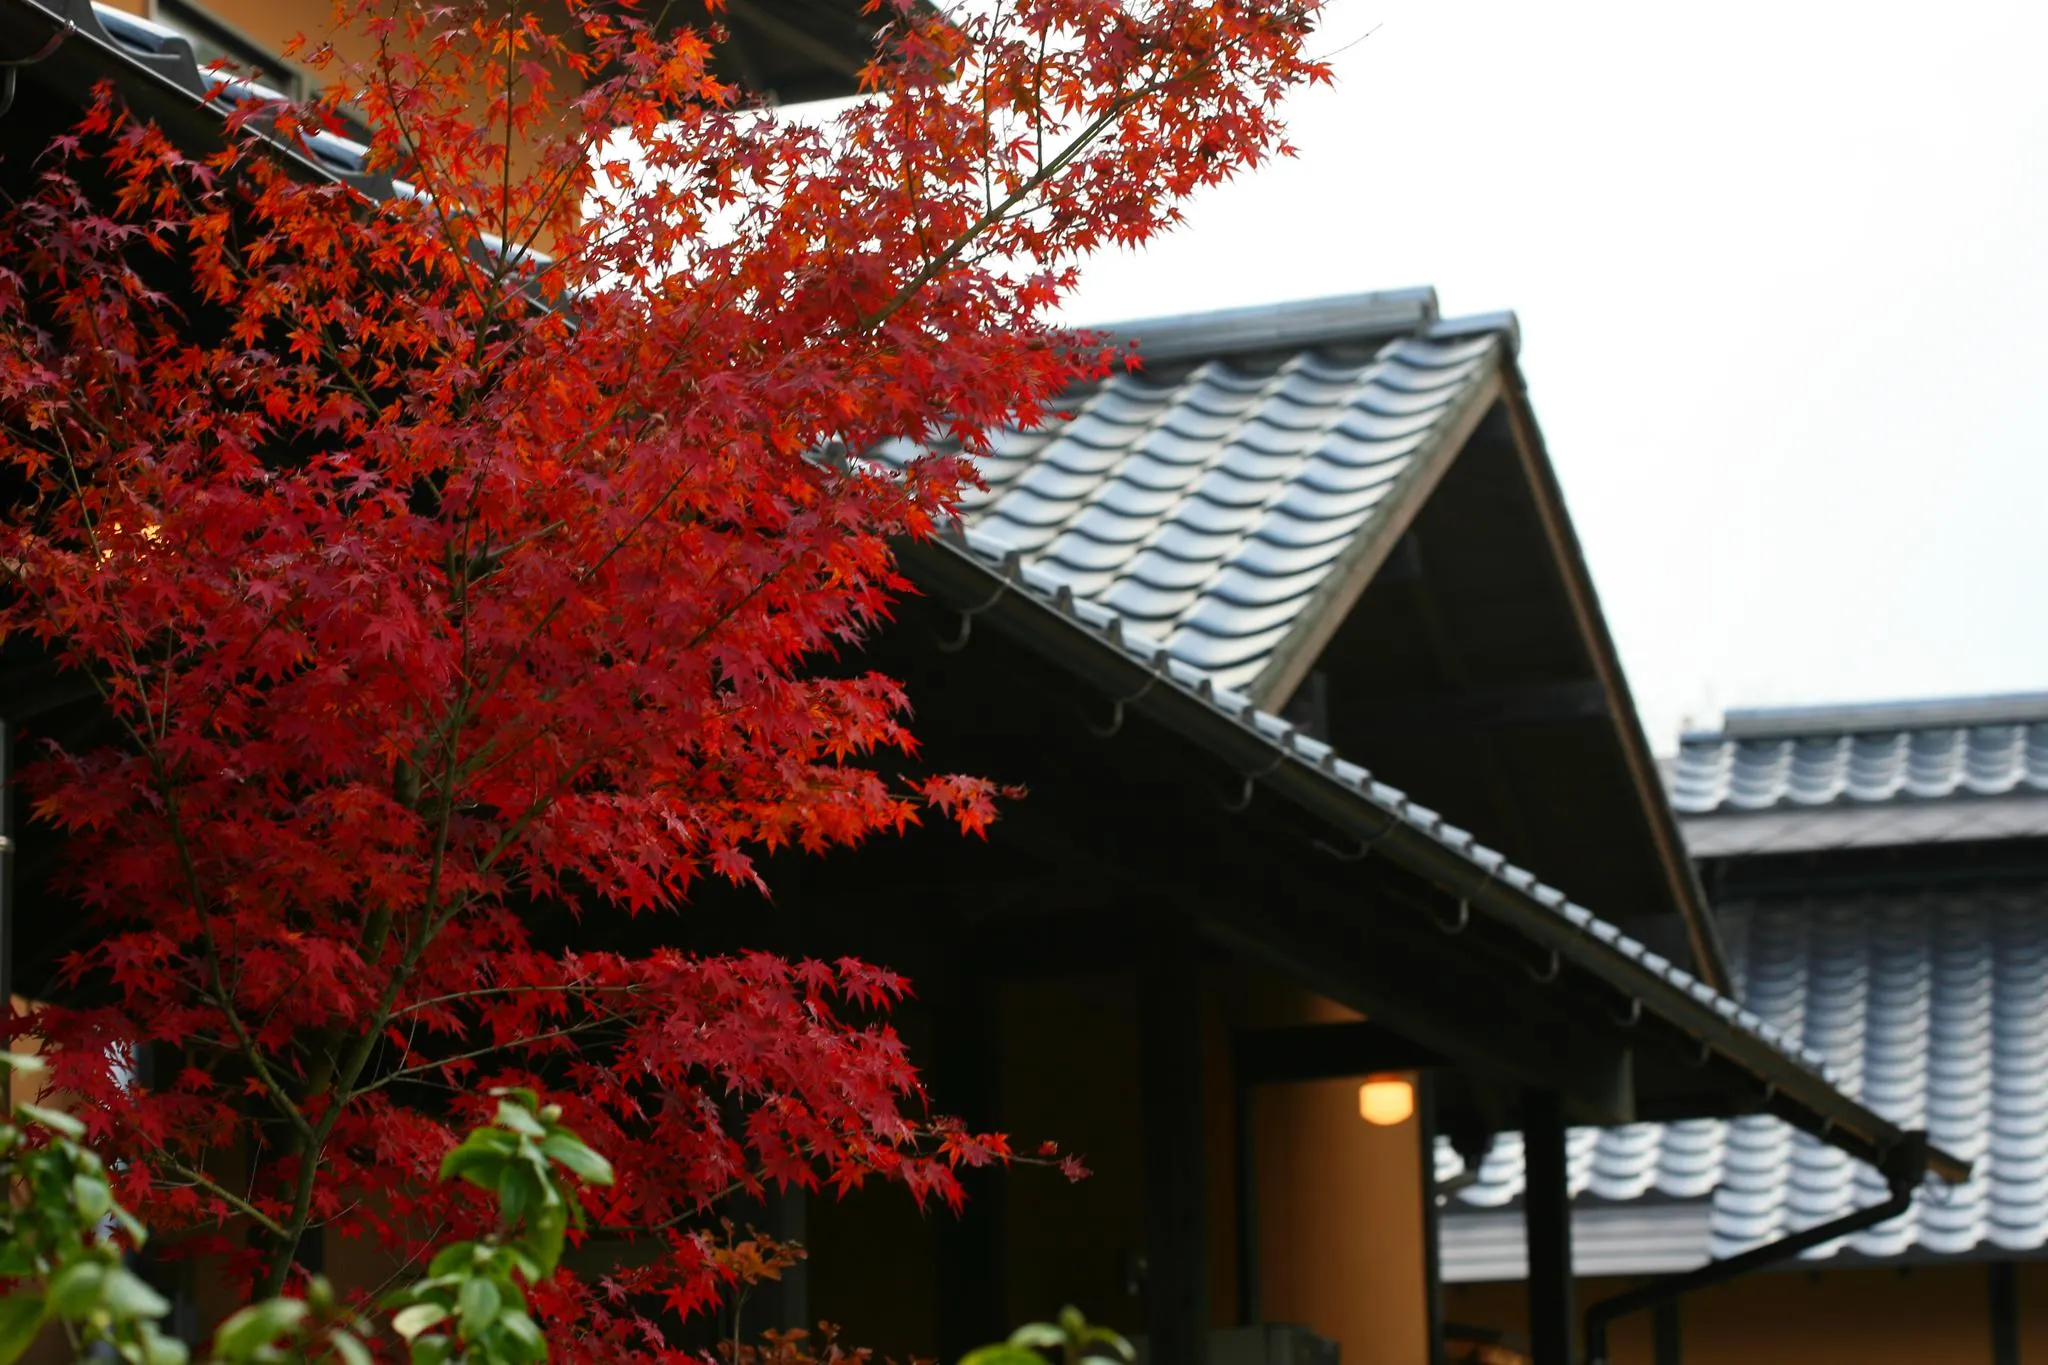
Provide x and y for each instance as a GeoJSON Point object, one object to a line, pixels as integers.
{"type": "Point", "coordinates": [1340, 1223]}
{"type": "Point", "coordinates": [1340, 1203]}
{"type": "Point", "coordinates": [1920, 1315]}
{"type": "Point", "coordinates": [2032, 1293]}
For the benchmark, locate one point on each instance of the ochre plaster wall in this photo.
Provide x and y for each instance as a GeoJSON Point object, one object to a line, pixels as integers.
{"type": "Point", "coordinates": [1922, 1315]}
{"type": "Point", "coordinates": [2033, 1298]}
{"type": "Point", "coordinates": [1339, 1204]}
{"type": "Point", "coordinates": [1340, 1222]}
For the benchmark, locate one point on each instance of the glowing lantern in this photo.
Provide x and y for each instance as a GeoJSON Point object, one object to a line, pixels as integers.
{"type": "Point", "coordinates": [1386, 1100]}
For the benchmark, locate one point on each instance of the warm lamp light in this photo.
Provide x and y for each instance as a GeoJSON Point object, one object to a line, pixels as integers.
{"type": "Point", "coordinates": [1386, 1100]}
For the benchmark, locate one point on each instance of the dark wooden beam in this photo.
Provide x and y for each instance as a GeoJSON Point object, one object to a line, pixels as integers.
{"type": "Point", "coordinates": [1321, 1052]}
{"type": "Point", "coordinates": [1176, 1255]}
{"type": "Point", "coordinates": [1547, 1213]}
{"type": "Point", "coordinates": [1482, 707]}
{"type": "Point", "coordinates": [841, 61]}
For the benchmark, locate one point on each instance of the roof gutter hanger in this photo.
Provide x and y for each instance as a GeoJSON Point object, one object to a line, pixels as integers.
{"type": "Point", "coordinates": [1903, 1173]}
{"type": "Point", "coordinates": [1804, 1098]}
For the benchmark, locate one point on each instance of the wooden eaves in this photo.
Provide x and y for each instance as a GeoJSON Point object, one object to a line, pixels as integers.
{"type": "Point", "coordinates": [1678, 1013]}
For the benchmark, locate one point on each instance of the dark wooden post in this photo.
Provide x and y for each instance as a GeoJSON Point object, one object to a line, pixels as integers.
{"type": "Point", "coordinates": [1176, 1255]}
{"type": "Point", "coordinates": [1667, 1336]}
{"type": "Point", "coordinates": [1432, 1251]}
{"type": "Point", "coordinates": [1547, 1217]}
{"type": "Point", "coordinates": [2003, 1284]}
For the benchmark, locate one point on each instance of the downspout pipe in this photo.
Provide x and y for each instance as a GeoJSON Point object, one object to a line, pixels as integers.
{"type": "Point", "coordinates": [1904, 1168]}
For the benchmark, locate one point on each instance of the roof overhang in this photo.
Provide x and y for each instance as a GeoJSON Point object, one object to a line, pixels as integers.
{"type": "Point", "coordinates": [1674, 1019]}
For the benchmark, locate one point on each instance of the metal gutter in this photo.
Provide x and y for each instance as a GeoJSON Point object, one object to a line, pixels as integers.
{"type": "Point", "coordinates": [1903, 1174]}
{"type": "Point", "coordinates": [973, 574]}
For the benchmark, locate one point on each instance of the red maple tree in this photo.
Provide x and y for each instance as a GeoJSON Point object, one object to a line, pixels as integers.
{"type": "Point", "coordinates": [463, 550]}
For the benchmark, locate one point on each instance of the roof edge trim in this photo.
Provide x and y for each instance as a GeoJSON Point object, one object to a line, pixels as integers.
{"type": "Point", "coordinates": [1277, 326]}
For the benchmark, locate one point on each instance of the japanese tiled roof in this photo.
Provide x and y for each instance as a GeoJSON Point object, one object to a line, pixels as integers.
{"type": "Point", "coordinates": [1864, 776]}
{"type": "Point", "coordinates": [1215, 498]}
{"type": "Point", "coordinates": [1932, 1008]}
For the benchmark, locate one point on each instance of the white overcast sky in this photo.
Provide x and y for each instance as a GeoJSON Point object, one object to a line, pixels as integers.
{"type": "Point", "coordinates": [1782, 271]}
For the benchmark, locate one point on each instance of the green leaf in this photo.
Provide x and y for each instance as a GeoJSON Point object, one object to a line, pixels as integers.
{"type": "Point", "coordinates": [453, 1257]}
{"type": "Point", "coordinates": [128, 1296]}
{"type": "Point", "coordinates": [52, 1119]}
{"type": "Point", "coordinates": [256, 1326]}
{"type": "Point", "coordinates": [520, 1332]}
{"type": "Point", "coordinates": [1035, 1334]}
{"type": "Point", "coordinates": [579, 1160]}
{"type": "Point", "coordinates": [1119, 1349]}
{"type": "Point", "coordinates": [158, 1349]}
{"type": "Point", "coordinates": [519, 1119]}
{"type": "Point", "coordinates": [478, 1304]}
{"type": "Point", "coordinates": [410, 1322]}
{"type": "Point", "coordinates": [478, 1159]}
{"type": "Point", "coordinates": [515, 1193]}
{"type": "Point", "coordinates": [431, 1350]}
{"type": "Point", "coordinates": [21, 1317]}
{"type": "Point", "coordinates": [544, 1237]}
{"type": "Point", "coordinates": [1004, 1354]}
{"type": "Point", "coordinates": [75, 1290]}
{"type": "Point", "coordinates": [350, 1348]}
{"type": "Point", "coordinates": [91, 1196]}
{"type": "Point", "coordinates": [523, 1262]}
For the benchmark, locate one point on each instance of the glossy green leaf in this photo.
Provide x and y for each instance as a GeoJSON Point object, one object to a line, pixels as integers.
{"type": "Point", "coordinates": [75, 1290]}
{"type": "Point", "coordinates": [1004, 1354]}
{"type": "Point", "coordinates": [256, 1326]}
{"type": "Point", "coordinates": [127, 1295]}
{"type": "Point", "coordinates": [478, 1305]}
{"type": "Point", "coordinates": [21, 1317]}
{"type": "Point", "coordinates": [410, 1322]}
{"type": "Point", "coordinates": [519, 1119]}
{"type": "Point", "coordinates": [570, 1152]}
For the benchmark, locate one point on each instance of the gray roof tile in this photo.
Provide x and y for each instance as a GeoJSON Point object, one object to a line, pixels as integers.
{"type": "Point", "coordinates": [1932, 1008]}
{"type": "Point", "coordinates": [1865, 776]}
{"type": "Point", "coordinates": [1210, 503]}
{"type": "Point", "coordinates": [1735, 771]}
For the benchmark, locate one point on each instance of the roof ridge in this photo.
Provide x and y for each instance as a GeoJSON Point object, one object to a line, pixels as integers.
{"type": "Point", "coordinates": [1290, 325]}
{"type": "Point", "coordinates": [1294, 324]}
{"type": "Point", "coordinates": [1849, 718]}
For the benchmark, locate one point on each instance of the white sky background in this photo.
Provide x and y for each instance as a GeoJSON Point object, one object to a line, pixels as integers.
{"type": "Point", "coordinates": [1782, 271]}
